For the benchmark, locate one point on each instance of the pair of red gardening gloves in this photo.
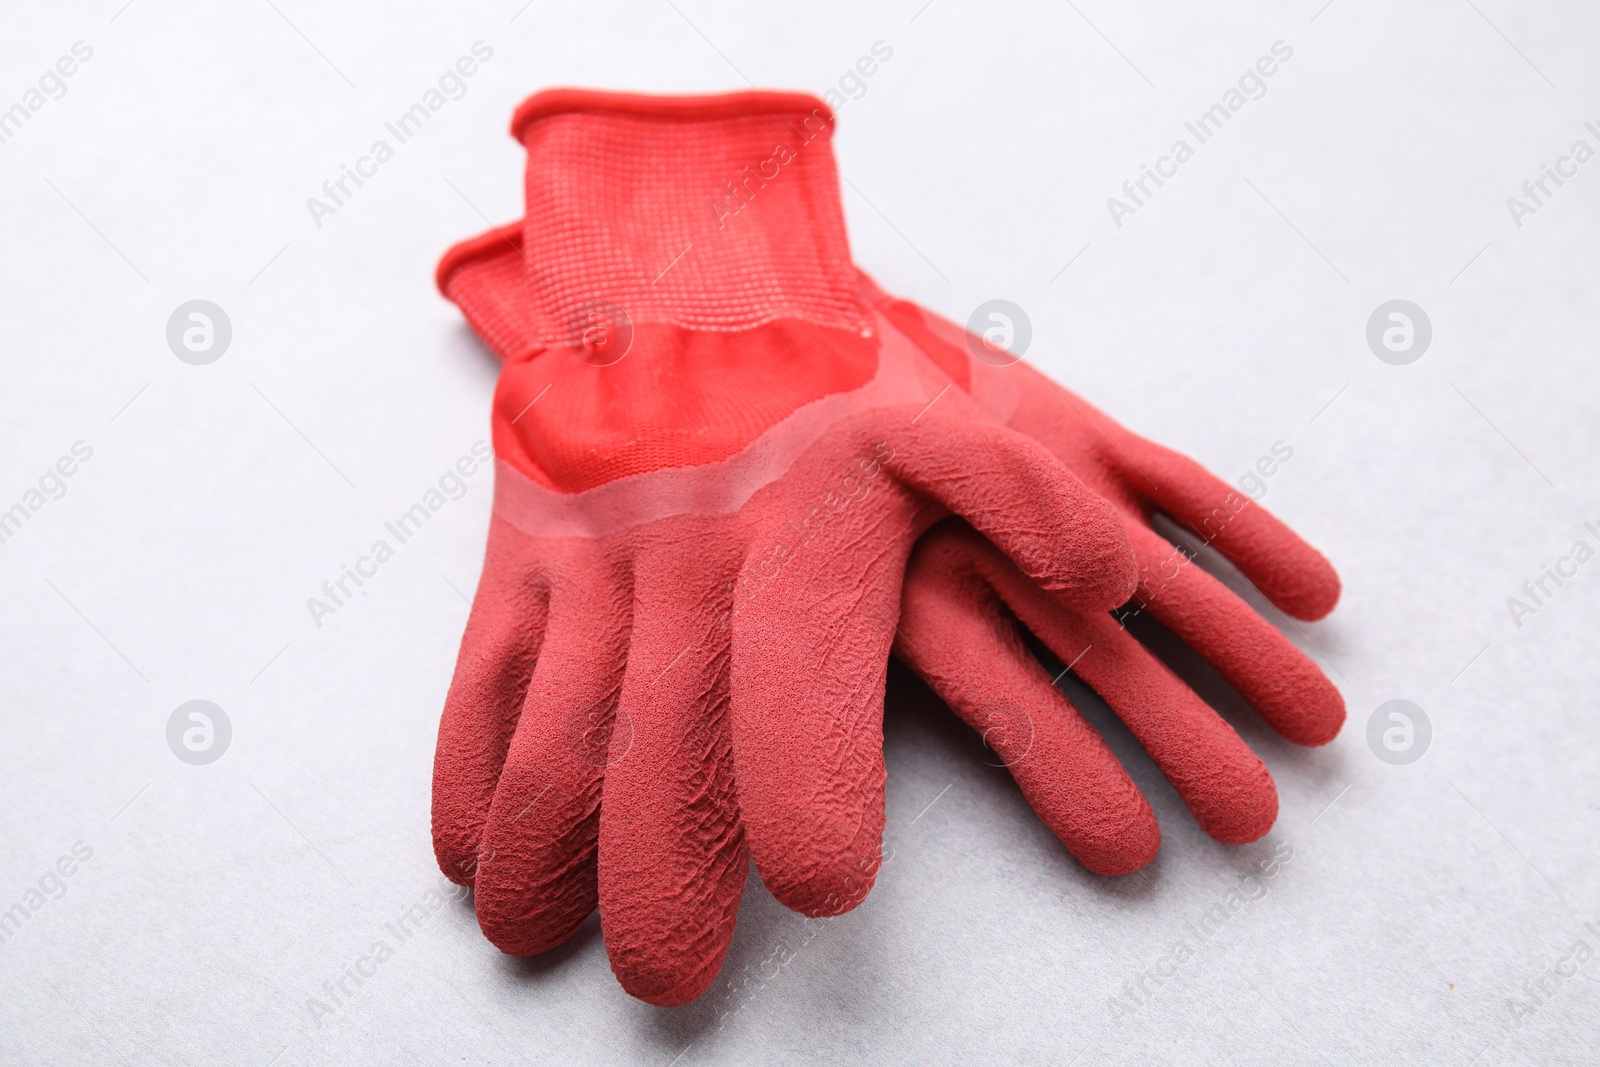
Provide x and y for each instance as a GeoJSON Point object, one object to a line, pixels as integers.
{"type": "Point", "coordinates": [732, 478]}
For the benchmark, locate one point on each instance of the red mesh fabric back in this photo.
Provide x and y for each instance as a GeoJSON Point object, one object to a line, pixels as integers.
{"type": "Point", "coordinates": [680, 399]}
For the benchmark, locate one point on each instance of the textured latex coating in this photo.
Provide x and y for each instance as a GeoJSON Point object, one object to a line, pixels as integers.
{"type": "Point", "coordinates": [1227, 787]}
{"type": "Point", "coordinates": [1223, 783]}
{"type": "Point", "coordinates": [957, 634]}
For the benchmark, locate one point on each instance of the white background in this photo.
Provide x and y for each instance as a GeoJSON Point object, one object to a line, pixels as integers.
{"type": "Point", "coordinates": [1223, 317]}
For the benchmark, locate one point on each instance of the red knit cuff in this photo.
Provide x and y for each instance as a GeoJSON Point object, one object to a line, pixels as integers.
{"type": "Point", "coordinates": [707, 213]}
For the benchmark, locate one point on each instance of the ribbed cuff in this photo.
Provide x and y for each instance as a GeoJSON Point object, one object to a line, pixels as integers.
{"type": "Point", "coordinates": [707, 212]}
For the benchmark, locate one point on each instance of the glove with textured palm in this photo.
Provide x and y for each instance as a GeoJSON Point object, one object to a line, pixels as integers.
{"type": "Point", "coordinates": [714, 456]}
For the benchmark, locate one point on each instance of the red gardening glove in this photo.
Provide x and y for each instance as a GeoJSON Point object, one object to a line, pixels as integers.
{"type": "Point", "coordinates": [956, 630]}
{"type": "Point", "coordinates": [714, 458]}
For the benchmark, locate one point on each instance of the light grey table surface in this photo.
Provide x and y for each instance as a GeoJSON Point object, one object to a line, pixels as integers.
{"type": "Point", "coordinates": [1426, 913]}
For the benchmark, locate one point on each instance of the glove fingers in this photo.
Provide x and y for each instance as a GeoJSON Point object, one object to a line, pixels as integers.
{"type": "Point", "coordinates": [1012, 490]}
{"type": "Point", "coordinates": [498, 652]}
{"type": "Point", "coordinates": [958, 637]}
{"type": "Point", "coordinates": [817, 602]}
{"type": "Point", "coordinates": [1280, 682]}
{"type": "Point", "coordinates": [819, 598]}
{"type": "Point", "coordinates": [673, 861]}
{"type": "Point", "coordinates": [1292, 574]}
{"type": "Point", "coordinates": [1223, 783]}
{"type": "Point", "coordinates": [537, 868]}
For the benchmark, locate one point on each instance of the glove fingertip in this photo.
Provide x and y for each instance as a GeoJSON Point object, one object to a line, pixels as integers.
{"type": "Point", "coordinates": [1249, 815]}
{"type": "Point", "coordinates": [823, 890]}
{"type": "Point", "coordinates": [1316, 593]}
{"type": "Point", "coordinates": [1128, 850]}
{"type": "Point", "coordinates": [527, 939]}
{"type": "Point", "coordinates": [1318, 719]}
{"type": "Point", "coordinates": [667, 986]}
{"type": "Point", "coordinates": [1101, 573]}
